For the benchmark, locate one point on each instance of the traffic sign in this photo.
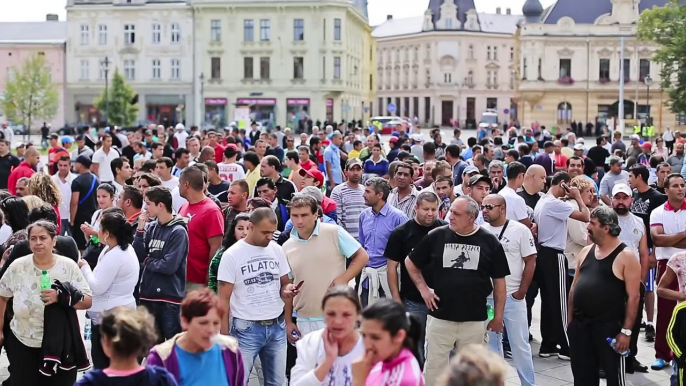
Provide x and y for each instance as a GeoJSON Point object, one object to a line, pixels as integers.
{"type": "Point", "coordinates": [506, 111]}
{"type": "Point", "coordinates": [391, 108]}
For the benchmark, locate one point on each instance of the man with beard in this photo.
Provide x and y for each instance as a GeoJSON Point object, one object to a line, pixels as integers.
{"type": "Point", "coordinates": [676, 160]}
{"type": "Point", "coordinates": [575, 167]}
{"type": "Point", "coordinates": [603, 302]}
{"type": "Point", "coordinates": [634, 235]}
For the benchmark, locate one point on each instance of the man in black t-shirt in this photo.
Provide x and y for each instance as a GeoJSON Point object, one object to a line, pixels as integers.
{"type": "Point", "coordinates": [83, 199]}
{"type": "Point", "coordinates": [598, 154]}
{"type": "Point", "coordinates": [465, 263]}
{"type": "Point", "coordinates": [7, 163]}
{"type": "Point", "coordinates": [400, 243]}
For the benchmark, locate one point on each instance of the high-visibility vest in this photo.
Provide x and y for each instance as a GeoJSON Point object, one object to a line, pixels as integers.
{"type": "Point", "coordinates": [651, 131]}
{"type": "Point", "coordinates": [637, 130]}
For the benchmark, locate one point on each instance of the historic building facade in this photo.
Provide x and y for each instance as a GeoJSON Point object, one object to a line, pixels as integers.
{"type": "Point", "coordinates": [452, 63]}
{"type": "Point", "coordinates": [570, 65]}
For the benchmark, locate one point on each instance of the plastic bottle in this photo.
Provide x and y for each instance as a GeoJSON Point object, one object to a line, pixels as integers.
{"type": "Point", "coordinates": [490, 312]}
{"type": "Point", "coordinates": [613, 343]}
{"type": "Point", "coordinates": [45, 282]}
{"type": "Point", "coordinates": [295, 336]}
{"type": "Point", "coordinates": [95, 239]}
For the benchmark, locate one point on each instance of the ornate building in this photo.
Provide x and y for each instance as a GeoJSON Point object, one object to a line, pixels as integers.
{"type": "Point", "coordinates": [450, 63]}
{"type": "Point", "coordinates": [570, 65]}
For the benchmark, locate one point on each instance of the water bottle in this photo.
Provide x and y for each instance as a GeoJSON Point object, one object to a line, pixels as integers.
{"type": "Point", "coordinates": [87, 332]}
{"type": "Point", "coordinates": [490, 312]}
{"type": "Point", "coordinates": [613, 343]}
{"type": "Point", "coordinates": [45, 282]}
{"type": "Point", "coordinates": [295, 336]}
{"type": "Point", "coordinates": [95, 240]}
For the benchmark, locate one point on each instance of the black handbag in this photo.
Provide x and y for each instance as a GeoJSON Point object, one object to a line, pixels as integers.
{"type": "Point", "coordinates": [92, 253]}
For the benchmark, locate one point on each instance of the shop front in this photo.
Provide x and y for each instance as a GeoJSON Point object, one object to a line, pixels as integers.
{"type": "Point", "coordinates": [298, 113]}
{"type": "Point", "coordinates": [262, 110]}
{"type": "Point", "coordinates": [215, 112]}
{"type": "Point", "coordinates": [85, 112]}
{"type": "Point", "coordinates": [167, 110]}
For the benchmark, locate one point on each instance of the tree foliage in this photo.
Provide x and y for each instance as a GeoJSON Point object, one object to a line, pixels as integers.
{"type": "Point", "coordinates": [30, 94]}
{"type": "Point", "coordinates": [121, 111]}
{"type": "Point", "coordinates": [666, 26]}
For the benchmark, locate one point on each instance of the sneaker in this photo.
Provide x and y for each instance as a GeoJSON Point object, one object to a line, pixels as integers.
{"type": "Point", "coordinates": [507, 354]}
{"type": "Point", "coordinates": [659, 364]}
{"type": "Point", "coordinates": [546, 352]}
{"type": "Point", "coordinates": [563, 356]}
{"type": "Point", "coordinates": [650, 333]}
{"type": "Point", "coordinates": [637, 366]}
{"type": "Point", "coordinates": [643, 326]}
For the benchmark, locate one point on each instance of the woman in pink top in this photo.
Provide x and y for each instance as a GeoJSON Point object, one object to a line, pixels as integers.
{"type": "Point", "coordinates": [390, 338]}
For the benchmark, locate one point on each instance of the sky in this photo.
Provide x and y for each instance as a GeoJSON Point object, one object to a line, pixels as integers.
{"type": "Point", "coordinates": [35, 10]}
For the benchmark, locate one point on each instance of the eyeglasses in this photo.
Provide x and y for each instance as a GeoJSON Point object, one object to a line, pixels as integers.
{"type": "Point", "coordinates": [489, 206]}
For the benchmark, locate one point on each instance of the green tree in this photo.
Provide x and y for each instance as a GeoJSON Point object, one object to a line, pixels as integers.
{"type": "Point", "coordinates": [30, 94]}
{"type": "Point", "coordinates": [665, 27]}
{"type": "Point", "coordinates": [121, 111]}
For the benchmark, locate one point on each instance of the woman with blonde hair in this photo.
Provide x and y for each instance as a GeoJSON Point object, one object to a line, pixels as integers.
{"type": "Point", "coordinates": [577, 235]}
{"type": "Point", "coordinates": [42, 186]}
{"type": "Point", "coordinates": [475, 365]}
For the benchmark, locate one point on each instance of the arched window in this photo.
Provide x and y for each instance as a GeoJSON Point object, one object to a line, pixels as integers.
{"type": "Point", "coordinates": [564, 113]}
{"type": "Point", "coordinates": [471, 51]}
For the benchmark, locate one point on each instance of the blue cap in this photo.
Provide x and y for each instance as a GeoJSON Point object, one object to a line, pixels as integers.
{"type": "Point", "coordinates": [395, 134]}
{"type": "Point", "coordinates": [66, 140]}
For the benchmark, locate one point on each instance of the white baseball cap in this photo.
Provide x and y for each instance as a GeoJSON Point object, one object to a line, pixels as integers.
{"type": "Point", "coordinates": [180, 126]}
{"type": "Point", "coordinates": [621, 188]}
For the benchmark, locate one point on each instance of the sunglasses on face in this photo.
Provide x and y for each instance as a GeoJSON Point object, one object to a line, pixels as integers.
{"type": "Point", "coordinates": [489, 206]}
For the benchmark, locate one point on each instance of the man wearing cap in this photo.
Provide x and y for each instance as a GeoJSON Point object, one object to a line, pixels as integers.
{"type": "Point", "coordinates": [180, 136]}
{"type": "Point", "coordinates": [417, 148]}
{"type": "Point", "coordinates": [332, 161]}
{"type": "Point", "coordinates": [395, 148]}
{"type": "Point", "coordinates": [479, 187]}
{"type": "Point", "coordinates": [644, 157]}
{"type": "Point", "coordinates": [7, 162]}
{"type": "Point", "coordinates": [615, 175]}
{"type": "Point", "coordinates": [467, 174]}
{"type": "Point", "coordinates": [83, 199]}
{"type": "Point", "coordinates": [349, 198]}
{"type": "Point", "coordinates": [634, 149]}
{"type": "Point", "coordinates": [314, 178]}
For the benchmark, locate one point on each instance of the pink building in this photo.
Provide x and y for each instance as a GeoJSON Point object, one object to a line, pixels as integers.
{"type": "Point", "coordinates": [19, 41]}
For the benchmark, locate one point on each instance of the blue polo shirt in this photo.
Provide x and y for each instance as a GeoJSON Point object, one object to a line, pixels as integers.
{"type": "Point", "coordinates": [379, 168]}
{"type": "Point", "coordinates": [333, 156]}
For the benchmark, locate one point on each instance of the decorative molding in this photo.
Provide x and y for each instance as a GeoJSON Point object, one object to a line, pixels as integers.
{"type": "Point", "coordinates": [565, 53]}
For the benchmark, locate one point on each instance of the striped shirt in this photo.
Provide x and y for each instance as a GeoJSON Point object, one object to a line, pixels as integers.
{"type": "Point", "coordinates": [349, 205]}
{"type": "Point", "coordinates": [406, 205]}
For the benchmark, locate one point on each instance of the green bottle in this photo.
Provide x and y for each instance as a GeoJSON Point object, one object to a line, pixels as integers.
{"type": "Point", "coordinates": [490, 312]}
{"type": "Point", "coordinates": [95, 240]}
{"type": "Point", "coordinates": [45, 282]}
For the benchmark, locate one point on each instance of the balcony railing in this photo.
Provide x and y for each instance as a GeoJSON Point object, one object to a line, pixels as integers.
{"type": "Point", "coordinates": [566, 80]}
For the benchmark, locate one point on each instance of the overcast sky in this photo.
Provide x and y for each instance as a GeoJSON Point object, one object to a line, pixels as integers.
{"type": "Point", "coordinates": [35, 10]}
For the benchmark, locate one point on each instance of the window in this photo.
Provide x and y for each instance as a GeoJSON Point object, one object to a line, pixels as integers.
{"type": "Point", "coordinates": [371, 83]}
{"type": "Point", "coordinates": [84, 69]}
{"type": "Point", "coordinates": [447, 78]}
{"type": "Point", "coordinates": [130, 69]}
{"type": "Point", "coordinates": [248, 30]}
{"type": "Point", "coordinates": [337, 67]}
{"type": "Point", "coordinates": [524, 69]}
{"type": "Point", "coordinates": [470, 78]}
{"type": "Point", "coordinates": [175, 69]}
{"type": "Point", "coordinates": [102, 34]}
{"type": "Point", "coordinates": [565, 68]}
{"type": "Point", "coordinates": [644, 69]}
{"type": "Point", "coordinates": [156, 34]}
{"type": "Point", "coordinates": [156, 69]}
{"type": "Point", "coordinates": [216, 68]}
{"type": "Point", "coordinates": [540, 69]}
{"type": "Point", "coordinates": [604, 70]}
{"type": "Point", "coordinates": [495, 53]}
{"type": "Point", "coordinates": [337, 29]}
{"type": "Point", "coordinates": [298, 30]}
{"type": "Point", "coordinates": [265, 30]}
{"type": "Point", "coordinates": [627, 70]}
{"type": "Point", "coordinates": [130, 34]}
{"type": "Point", "coordinates": [84, 35]}
{"type": "Point", "coordinates": [175, 33]}
{"type": "Point", "coordinates": [216, 30]}
{"type": "Point", "coordinates": [564, 113]}
{"type": "Point", "coordinates": [489, 74]}
{"type": "Point", "coordinates": [511, 53]}
{"type": "Point", "coordinates": [471, 51]}
{"type": "Point", "coordinates": [247, 68]}
{"type": "Point", "coordinates": [449, 23]}
{"type": "Point", "coordinates": [298, 67]}
{"type": "Point", "coordinates": [492, 103]}
{"type": "Point", "coordinates": [488, 53]}
{"type": "Point", "coordinates": [264, 68]}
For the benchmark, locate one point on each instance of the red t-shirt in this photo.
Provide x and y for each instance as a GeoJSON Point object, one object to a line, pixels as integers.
{"type": "Point", "coordinates": [219, 153]}
{"type": "Point", "coordinates": [308, 165]}
{"type": "Point", "coordinates": [204, 220]}
{"type": "Point", "coordinates": [320, 157]}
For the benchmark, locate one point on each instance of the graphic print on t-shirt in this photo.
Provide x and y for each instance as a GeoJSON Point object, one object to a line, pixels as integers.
{"type": "Point", "coordinates": [261, 278]}
{"type": "Point", "coordinates": [461, 256]}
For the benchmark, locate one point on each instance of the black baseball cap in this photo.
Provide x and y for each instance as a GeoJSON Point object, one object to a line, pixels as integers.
{"type": "Point", "coordinates": [479, 178]}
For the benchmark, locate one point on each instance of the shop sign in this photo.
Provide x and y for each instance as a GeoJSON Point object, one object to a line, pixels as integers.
{"type": "Point", "coordinates": [298, 101]}
{"type": "Point", "coordinates": [256, 101]}
{"type": "Point", "coordinates": [215, 101]}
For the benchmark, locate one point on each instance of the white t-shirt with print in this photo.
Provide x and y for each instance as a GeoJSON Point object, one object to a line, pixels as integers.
{"type": "Point", "coordinates": [518, 243]}
{"type": "Point", "coordinates": [255, 273]}
{"type": "Point", "coordinates": [22, 281]}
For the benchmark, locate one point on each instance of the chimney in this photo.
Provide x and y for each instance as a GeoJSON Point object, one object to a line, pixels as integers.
{"type": "Point", "coordinates": [52, 17]}
{"type": "Point", "coordinates": [508, 11]}
{"type": "Point", "coordinates": [497, 10]}
{"type": "Point", "coordinates": [389, 17]}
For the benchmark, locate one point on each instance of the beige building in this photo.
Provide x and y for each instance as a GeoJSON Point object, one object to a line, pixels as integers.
{"type": "Point", "coordinates": [569, 59]}
{"type": "Point", "coordinates": [452, 63]}
{"type": "Point", "coordinates": [287, 61]}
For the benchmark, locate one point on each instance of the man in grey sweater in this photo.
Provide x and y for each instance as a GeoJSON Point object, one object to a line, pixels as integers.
{"type": "Point", "coordinates": [615, 175]}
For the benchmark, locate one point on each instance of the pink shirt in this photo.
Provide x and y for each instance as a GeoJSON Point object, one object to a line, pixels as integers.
{"type": "Point", "coordinates": [678, 264]}
{"type": "Point", "coordinates": [402, 370]}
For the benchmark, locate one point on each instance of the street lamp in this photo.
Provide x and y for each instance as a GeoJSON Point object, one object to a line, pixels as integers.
{"type": "Point", "coordinates": [202, 99]}
{"type": "Point", "coordinates": [106, 70]}
{"type": "Point", "coordinates": [648, 81]}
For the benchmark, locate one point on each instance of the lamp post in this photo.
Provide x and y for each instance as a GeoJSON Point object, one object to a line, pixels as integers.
{"type": "Point", "coordinates": [106, 69]}
{"type": "Point", "coordinates": [648, 81]}
{"type": "Point", "coordinates": [202, 99]}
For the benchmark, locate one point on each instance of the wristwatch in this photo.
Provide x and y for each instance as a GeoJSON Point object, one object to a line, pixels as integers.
{"type": "Point", "coordinates": [625, 331]}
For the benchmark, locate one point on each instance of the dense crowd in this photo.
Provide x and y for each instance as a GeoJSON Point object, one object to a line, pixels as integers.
{"type": "Point", "coordinates": [209, 255]}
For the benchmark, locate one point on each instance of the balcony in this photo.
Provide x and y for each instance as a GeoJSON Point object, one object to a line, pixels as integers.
{"type": "Point", "coordinates": [566, 80]}
{"type": "Point", "coordinates": [604, 80]}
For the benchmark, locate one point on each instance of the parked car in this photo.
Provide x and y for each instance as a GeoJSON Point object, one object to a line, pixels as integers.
{"type": "Point", "coordinates": [19, 129]}
{"type": "Point", "coordinates": [66, 130]}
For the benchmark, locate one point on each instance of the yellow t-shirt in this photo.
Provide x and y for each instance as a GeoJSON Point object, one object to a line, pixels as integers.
{"type": "Point", "coordinates": [251, 178]}
{"type": "Point", "coordinates": [354, 154]}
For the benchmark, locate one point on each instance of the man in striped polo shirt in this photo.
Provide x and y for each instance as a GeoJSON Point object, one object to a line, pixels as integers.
{"type": "Point", "coordinates": [349, 198]}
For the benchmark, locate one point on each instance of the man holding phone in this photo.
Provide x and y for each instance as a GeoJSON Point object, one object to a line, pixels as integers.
{"type": "Point", "coordinates": [551, 214]}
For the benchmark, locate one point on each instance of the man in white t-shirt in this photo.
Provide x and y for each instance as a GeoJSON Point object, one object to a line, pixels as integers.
{"type": "Point", "coordinates": [252, 275]}
{"type": "Point", "coordinates": [163, 169]}
{"type": "Point", "coordinates": [516, 206]}
{"type": "Point", "coordinates": [520, 249]}
{"type": "Point", "coordinates": [229, 170]}
{"type": "Point", "coordinates": [102, 159]}
{"type": "Point", "coordinates": [63, 179]}
{"type": "Point", "coordinates": [180, 135]}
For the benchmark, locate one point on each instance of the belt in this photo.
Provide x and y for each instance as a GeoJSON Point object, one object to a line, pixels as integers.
{"type": "Point", "coordinates": [268, 322]}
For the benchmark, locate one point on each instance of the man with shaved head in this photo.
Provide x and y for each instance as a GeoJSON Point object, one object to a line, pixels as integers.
{"type": "Point", "coordinates": [532, 187]}
{"type": "Point", "coordinates": [520, 250]}
{"type": "Point", "coordinates": [207, 154]}
{"type": "Point", "coordinates": [25, 169]}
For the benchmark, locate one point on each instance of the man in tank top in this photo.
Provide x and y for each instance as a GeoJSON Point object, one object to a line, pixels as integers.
{"type": "Point", "coordinates": [603, 302]}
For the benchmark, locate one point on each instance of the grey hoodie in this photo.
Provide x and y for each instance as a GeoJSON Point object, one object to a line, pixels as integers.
{"type": "Point", "coordinates": [162, 250]}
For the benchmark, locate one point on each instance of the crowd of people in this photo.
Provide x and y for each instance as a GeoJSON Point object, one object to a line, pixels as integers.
{"type": "Point", "coordinates": [216, 254]}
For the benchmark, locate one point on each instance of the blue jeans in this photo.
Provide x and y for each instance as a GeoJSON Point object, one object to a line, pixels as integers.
{"type": "Point", "coordinates": [66, 228]}
{"type": "Point", "coordinates": [167, 318]}
{"type": "Point", "coordinates": [515, 321]}
{"type": "Point", "coordinates": [421, 311]}
{"type": "Point", "coordinates": [267, 341]}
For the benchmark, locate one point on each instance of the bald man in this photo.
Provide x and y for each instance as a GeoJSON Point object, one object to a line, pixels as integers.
{"type": "Point", "coordinates": [207, 154]}
{"type": "Point", "coordinates": [25, 169]}
{"type": "Point", "coordinates": [534, 182]}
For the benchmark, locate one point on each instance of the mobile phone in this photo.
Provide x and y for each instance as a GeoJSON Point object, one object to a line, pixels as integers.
{"type": "Point", "coordinates": [297, 287]}
{"type": "Point", "coordinates": [565, 187]}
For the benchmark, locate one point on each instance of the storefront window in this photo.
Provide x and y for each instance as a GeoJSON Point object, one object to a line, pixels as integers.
{"type": "Point", "coordinates": [262, 110]}
{"type": "Point", "coordinates": [215, 112]}
{"type": "Point", "coordinates": [297, 113]}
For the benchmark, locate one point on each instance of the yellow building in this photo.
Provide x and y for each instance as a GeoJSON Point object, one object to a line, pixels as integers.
{"type": "Point", "coordinates": [570, 66]}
